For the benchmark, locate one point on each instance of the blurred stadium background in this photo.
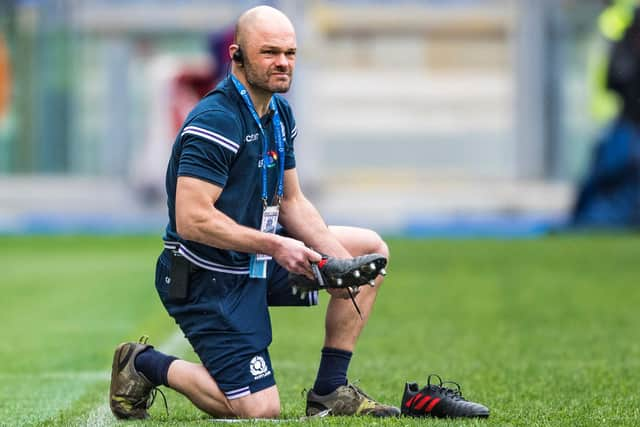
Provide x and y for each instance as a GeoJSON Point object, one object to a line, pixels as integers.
{"type": "Point", "coordinates": [436, 118]}
{"type": "Point", "coordinates": [416, 117]}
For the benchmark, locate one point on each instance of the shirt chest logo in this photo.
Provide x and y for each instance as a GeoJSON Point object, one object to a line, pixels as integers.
{"type": "Point", "coordinates": [252, 137]}
{"type": "Point", "coordinates": [272, 159]}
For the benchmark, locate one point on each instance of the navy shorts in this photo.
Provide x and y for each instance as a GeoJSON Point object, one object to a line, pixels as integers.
{"type": "Point", "coordinates": [226, 320]}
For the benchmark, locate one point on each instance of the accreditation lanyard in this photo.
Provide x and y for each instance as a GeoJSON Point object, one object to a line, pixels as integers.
{"type": "Point", "coordinates": [278, 131]}
{"type": "Point", "coordinates": [258, 262]}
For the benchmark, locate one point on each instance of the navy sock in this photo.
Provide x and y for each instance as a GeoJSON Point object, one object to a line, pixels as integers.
{"type": "Point", "coordinates": [332, 372]}
{"type": "Point", "coordinates": [154, 365]}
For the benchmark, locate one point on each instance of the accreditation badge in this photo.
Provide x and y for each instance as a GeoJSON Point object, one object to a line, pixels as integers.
{"type": "Point", "coordinates": [269, 224]}
{"type": "Point", "coordinates": [258, 263]}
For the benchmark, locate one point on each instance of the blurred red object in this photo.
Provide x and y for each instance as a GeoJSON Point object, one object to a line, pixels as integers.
{"type": "Point", "coordinates": [5, 78]}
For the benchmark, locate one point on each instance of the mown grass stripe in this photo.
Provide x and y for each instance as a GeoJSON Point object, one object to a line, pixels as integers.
{"type": "Point", "coordinates": [541, 331]}
{"type": "Point", "coordinates": [61, 375]}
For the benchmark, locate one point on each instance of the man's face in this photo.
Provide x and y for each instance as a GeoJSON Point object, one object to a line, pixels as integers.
{"type": "Point", "coordinates": [269, 60]}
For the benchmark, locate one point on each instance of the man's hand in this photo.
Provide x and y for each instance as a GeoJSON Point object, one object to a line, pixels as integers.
{"type": "Point", "coordinates": [296, 257]}
{"type": "Point", "coordinates": [338, 275]}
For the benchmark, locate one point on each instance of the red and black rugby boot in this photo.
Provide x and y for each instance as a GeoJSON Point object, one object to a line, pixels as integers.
{"type": "Point", "coordinates": [435, 400]}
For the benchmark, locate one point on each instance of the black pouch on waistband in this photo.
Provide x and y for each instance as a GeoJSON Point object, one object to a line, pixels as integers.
{"type": "Point", "coordinates": [179, 275]}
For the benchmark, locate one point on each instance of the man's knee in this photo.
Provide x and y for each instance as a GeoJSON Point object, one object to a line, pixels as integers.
{"type": "Point", "coordinates": [264, 409]}
{"type": "Point", "coordinates": [383, 249]}
{"type": "Point", "coordinates": [264, 404]}
{"type": "Point", "coordinates": [360, 241]}
{"type": "Point", "coordinates": [378, 245]}
{"type": "Point", "coordinates": [373, 243]}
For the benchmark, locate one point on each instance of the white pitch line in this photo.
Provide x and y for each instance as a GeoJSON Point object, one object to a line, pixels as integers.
{"type": "Point", "coordinates": [101, 415]}
{"type": "Point", "coordinates": [176, 343]}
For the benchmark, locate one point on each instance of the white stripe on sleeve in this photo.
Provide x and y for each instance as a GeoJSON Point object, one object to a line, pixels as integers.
{"type": "Point", "coordinates": [211, 136]}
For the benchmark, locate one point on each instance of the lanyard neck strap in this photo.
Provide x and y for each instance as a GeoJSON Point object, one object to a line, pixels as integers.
{"type": "Point", "coordinates": [279, 134]}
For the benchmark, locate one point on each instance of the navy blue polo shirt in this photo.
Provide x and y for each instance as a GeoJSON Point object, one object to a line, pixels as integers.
{"type": "Point", "coordinates": [220, 143]}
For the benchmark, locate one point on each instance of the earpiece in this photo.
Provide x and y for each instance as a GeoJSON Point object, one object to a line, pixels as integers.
{"type": "Point", "coordinates": [238, 57]}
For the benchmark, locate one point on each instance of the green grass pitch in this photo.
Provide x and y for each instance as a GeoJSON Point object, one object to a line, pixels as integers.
{"type": "Point", "coordinates": [544, 332]}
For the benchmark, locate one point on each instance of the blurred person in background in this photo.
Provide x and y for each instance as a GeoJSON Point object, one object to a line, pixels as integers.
{"type": "Point", "coordinates": [218, 185]}
{"type": "Point", "coordinates": [191, 84]}
{"type": "Point", "coordinates": [610, 194]}
{"type": "Point", "coordinates": [612, 24]}
{"type": "Point", "coordinates": [5, 79]}
{"type": "Point", "coordinates": [176, 85]}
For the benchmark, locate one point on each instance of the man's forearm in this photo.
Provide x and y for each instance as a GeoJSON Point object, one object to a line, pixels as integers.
{"type": "Point", "coordinates": [303, 222]}
{"type": "Point", "coordinates": [216, 229]}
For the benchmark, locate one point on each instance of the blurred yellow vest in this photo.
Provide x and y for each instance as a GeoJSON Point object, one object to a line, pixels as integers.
{"type": "Point", "coordinates": [612, 23]}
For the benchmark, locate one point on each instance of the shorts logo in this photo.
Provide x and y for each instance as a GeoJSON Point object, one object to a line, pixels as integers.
{"type": "Point", "coordinates": [251, 138]}
{"type": "Point", "coordinates": [258, 368]}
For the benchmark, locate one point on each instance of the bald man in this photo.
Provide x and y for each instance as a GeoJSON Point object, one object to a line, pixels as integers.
{"type": "Point", "coordinates": [229, 175]}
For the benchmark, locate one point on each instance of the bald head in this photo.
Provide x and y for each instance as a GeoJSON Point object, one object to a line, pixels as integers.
{"type": "Point", "coordinates": [260, 21]}
{"type": "Point", "coordinates": [265, 51]}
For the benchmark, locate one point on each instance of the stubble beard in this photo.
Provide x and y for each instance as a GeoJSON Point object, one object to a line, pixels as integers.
{"type": "Point", "coordinates": [261, 81]}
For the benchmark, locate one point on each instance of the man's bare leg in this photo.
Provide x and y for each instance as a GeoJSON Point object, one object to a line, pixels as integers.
{"type": "Point", "coordinates": [342, 323]}
{"type": "Point", "coordinates": [342, 329]}
{"type": "Point", "coordinates": [194, 381]}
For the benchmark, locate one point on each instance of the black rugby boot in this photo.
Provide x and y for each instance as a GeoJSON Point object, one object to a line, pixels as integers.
{"type": "Point", "coordinates": [333, 272]}
{"type": "Point", "coordinates": [439, 401]}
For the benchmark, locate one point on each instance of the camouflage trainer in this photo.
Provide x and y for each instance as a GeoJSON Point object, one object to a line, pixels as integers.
{"type": "Point", "coordinates": [348, 400]}
{"type": "Point", "coordinates": [130, 392]}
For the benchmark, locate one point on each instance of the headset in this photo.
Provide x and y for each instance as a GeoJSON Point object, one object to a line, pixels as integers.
{"type": "Point", "coordinates": [238, 57]}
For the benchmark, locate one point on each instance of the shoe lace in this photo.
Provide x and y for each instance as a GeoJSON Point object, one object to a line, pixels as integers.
{"type": "Point", "coordinates": [154, 393]}
{"type": "Point", "coordinates": [320, 279]}
{"type": "Point", "coordinates": [355, 304]}
{"type": "Point", "coordinates": [147, 402]}
{"type": "Point", "coordinates": [449, 392]}
{"type": "Point", "coordinates": [354, 386]}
